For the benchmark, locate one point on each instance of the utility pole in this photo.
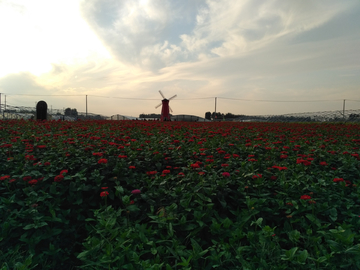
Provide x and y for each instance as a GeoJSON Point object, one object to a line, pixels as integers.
{"type": "Point", "coordinates": [86, 106]}
{"type": "Point", "coordinates": [344, 109]}
{"type": "Point", "coordinates": [215, 106]}
{"type": "Point", "coordinates": [5, 103]}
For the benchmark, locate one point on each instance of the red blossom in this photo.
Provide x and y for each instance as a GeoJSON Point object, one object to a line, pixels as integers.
{"type": "Point", "coordinates": [33, 182]}
{"type": "Point", "coordinates": [311, 202]}
{"type": "Point", "coordinates": [257, 176]}
{"type": "Point", "coordinates": [104, 194]}
{"type": "Point", "coordinates": [59, 178]}
{"type": "Point", "coordinates": [323, 163]}
{"type": "Point", "coordinates": [305, 197]}
{"type": "Point", "coordinates": [136, 191]}
{"type": "Point", "coordinates": [103, 161]}
{"type": "Point", "coordinates": [63, 171]}
{"type": "Point", "coordinates": [195, 165]}
{"type": "Point", "coordinates": [4, 177]}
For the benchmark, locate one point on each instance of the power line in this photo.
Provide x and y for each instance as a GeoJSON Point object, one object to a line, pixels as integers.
{"type": "Point", "coordinates": [258, 100]}
{"type": "Point", "coordinates": [262, 100]}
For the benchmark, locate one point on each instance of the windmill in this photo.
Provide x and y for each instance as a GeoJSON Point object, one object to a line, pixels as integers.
{"type": "Point", "coordinates": [165, 116]}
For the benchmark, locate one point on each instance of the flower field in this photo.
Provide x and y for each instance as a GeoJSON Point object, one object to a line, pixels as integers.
{"type": "Point", "coordinates": [179, 195]}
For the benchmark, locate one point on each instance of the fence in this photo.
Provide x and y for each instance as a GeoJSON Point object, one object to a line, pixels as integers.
{"type": "Point", "coordinates": [21, 112]}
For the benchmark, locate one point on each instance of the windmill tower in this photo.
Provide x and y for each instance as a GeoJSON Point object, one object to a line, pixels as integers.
{"type": "Point", "coordinates": [165, 116]}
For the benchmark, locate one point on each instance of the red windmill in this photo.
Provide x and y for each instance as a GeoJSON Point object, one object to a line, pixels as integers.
{"type": "Point", "coordinates": [165, 116]}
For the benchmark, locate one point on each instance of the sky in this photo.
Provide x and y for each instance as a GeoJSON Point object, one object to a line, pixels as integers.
{"type": "Point", "coordinates": [258, 57]}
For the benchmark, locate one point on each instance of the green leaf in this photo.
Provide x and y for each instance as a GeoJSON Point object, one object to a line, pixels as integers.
{"type": "Point", "coordinates": [227, 223]}
{"type": "Point", "coordinates": [171, 232]}
{"type": "Point", "coordinates": [258, 222]}
{"type": "Point", "coordinates": [203, 197]}
{"type": "Point", "coordinates": [353, 250]}
{"type": "Point", "coordinates": [119, 189]}
{"type": "Point", "coordinates": [29, 226]}
{"type": "Point", "coordinates": [290, 253]}
{"type": "Point", "coordinates": [83, 254]}
{"type": "Point", "coordinates": [302, 256]}
{"type": "Point", "coordinates": [313, 219]}
{"type": "Point", "coordinates": [294, 236]}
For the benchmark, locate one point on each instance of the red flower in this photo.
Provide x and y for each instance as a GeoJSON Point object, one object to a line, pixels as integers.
{"type": "Point", "coordinates": [305, 197]}
{"type": "Point", "coordinates": [323, 163]}
{"type": "Point", "coordinates": [104, 188]}
{"type": "Point", "coordinates": [201, 173]}
{"type": "Point", "coordinates": [224, 165]}
{"type": "Point", "coordinates": [97, 154]}
{"type": "Point", "coordinates": [311, 202]}
{"type": "Point", "coordinates": [195, 166]}
{"type": "Point", "coordinates": [132, 167]}
{"type": "Point", "coordinates": [12, 180]}
{"type": "Point", "coordinates": [226, 174]}
{"type": "Point", "coordinates": [132, 202]}
{"type": "Point", "coordinates": [165, 171]}
{"type": "Point", "coordinates": [47, 163]}
{"type": "Point", "coordinates": [122, 156]}
{"type": "Point", "coordinates": [136, 191]}
{"type": "Point", "coordinates": [151, 172]}
{"type": "Point", "coordinates": [41, 146]}
{"type": "Point", "coordinates": [104, 194]}
{"type": "Point", "coordinates": [273, 177]}
{"type": "Point", "coordinates": [181, 174]}
{"type": "Point", "coordinates": [279, 168]}
{"type": "Point", "coordinates": [27, 178]}
{"type": "Point", "coordinates": [338, 180]}
{"type": "Point", "coordinates": [289, 204]}
{"type": "Point", "coordinates": [63, 171]}
{"type": "Point", "coordinates": [59, 178]}
{"type": "Point", "coordinates": [102, 161]}
{"type": "Point", "coordinates": [32, 182]}
{"type": "Point", "coordinates": [257, 176]}
{"type": "Point", "coordinates": [4, 177]}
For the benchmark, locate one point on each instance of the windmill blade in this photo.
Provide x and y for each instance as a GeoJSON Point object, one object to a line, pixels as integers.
{"type": "Point", "coordinates": [158, 105]}
{"type": "Point", "coordinates": [162, 94]}
{"type": "Point", "coordinates": [170, 109]}
{"type": "Point", "coordinates": [173, 97]}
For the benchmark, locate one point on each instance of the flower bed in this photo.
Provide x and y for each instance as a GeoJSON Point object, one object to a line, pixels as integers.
{"type": "Point", "coordinates": [177, 195]}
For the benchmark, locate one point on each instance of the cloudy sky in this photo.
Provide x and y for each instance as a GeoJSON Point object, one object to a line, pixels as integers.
{"type": "Point", "coordinates": [257, 56]}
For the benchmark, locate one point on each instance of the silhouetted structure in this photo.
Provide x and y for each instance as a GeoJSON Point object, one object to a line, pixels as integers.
{"type": "Point", "coordinates": [41, 110]}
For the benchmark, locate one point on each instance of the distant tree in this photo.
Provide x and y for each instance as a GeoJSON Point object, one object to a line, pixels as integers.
{"type": "Point", "coordinates": [230, 115]}
{"type": "Point", "coordinates": [208, 115]}
{"type": "Point", "coordinates": [67, 112]}
{"type": "Point", "coordinates": [71, 112]}
{"type": "Point", "coordinates": [74, 112]}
